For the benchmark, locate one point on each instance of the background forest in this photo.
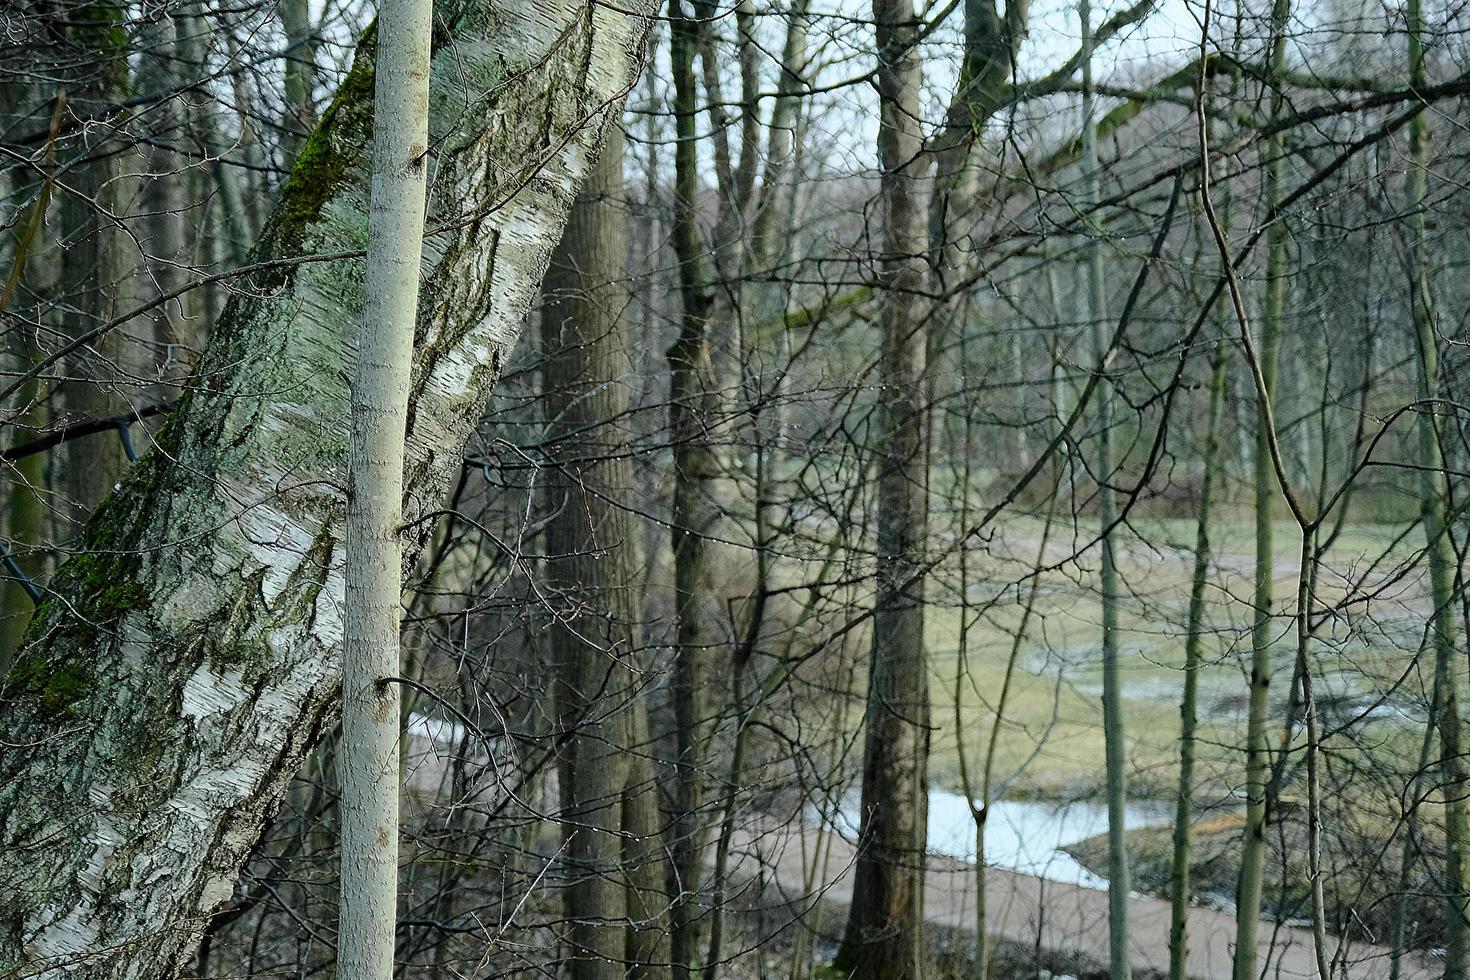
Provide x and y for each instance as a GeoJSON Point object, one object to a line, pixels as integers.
{"type": "Point", "coordinates": [973, 490]}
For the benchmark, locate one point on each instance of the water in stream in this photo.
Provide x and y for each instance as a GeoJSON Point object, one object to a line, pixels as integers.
{"type": "Point", "coordinates": [1023, 836]}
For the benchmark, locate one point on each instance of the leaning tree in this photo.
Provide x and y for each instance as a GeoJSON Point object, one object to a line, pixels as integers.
{"type": "Point", "coordinates": [182, 665]}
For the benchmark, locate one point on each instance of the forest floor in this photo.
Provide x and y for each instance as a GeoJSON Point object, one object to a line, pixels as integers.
{"type": "Point", "coordinates": [1067, 923]}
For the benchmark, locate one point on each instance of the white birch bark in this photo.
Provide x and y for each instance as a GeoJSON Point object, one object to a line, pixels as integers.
{"type": "Point", "coordinates": [189, 659]}
{"type": "Point", "coordinates": [374, 571]}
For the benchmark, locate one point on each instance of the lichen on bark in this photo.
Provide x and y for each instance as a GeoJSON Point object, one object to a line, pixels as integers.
{"type": "Point", "coordinates": [189, 658]}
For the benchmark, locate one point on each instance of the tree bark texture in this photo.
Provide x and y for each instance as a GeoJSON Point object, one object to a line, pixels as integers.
{"type": "Point", "coordinates": [299, 71]}
{"type": "Point", "coordinates": [185, 663]}
{"type": "Point", "coordinates": [90, 258]}
{"type": "Point", "coordinates": [884, 935]}
{"type": "Point", "coordinates": [371, 699]}
{"type": "Point", "coordinates": [692, 411]}
{"type": "Point", "coordinates": [592, 579]}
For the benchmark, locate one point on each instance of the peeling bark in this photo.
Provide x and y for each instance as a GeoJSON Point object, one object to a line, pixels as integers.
{"type": "Point", "coordinates": [186, 662]}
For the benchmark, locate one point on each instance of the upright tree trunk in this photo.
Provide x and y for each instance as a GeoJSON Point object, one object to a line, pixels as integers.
{"type": "Point", "coordinates": [765, 232]}
{"type": "Point", "coordinates": [763, 402]}
{"type": "Point", "coordinates": [368, 757]}
{"type": "Point", "coordinates": [92, 270]}
{"type": "Point", "coordinates": [189, 659]}
{"type": "Point", "coordinates": [691, 411]}
{"type": "Point", "coordinates": [1258, 749]}
{"type": "Point", "coordinates": [231, 231]}
{"type": "Point", "coordinates": [1193, 641]}
{"type": "Point", "coordinates": [248, 144]}
{"type": "Point", "coordinates": [884, 934]}
{"type": "Point", "coordinates": [981, 814]}
{"type": "Point", "coordinates": [299, 75]}
{"type": "Point", "coordinates": [25, 514]}
{"type": "Point", "coordinates": [592, 574]}
{"type": "Point", "coordinates": [645, 867]}
{"type": "Point", "coordinates": [163, 195]}
{"type": "Point", "coordinates": [1448, 664]}
{"type": "Point", "coordinates": [1120, 960]}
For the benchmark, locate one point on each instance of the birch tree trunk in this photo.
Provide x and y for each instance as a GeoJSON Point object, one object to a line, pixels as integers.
{"type": "Point", "coordinates": [187, 661]}
{"type": "Point", "coordinates": [368, 758]}
{"type": "Point", "coordinates": [884, 935]}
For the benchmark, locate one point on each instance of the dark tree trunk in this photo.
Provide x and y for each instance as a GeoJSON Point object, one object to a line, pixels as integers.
{"type": "Point", "coordinates": [884, 936]}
